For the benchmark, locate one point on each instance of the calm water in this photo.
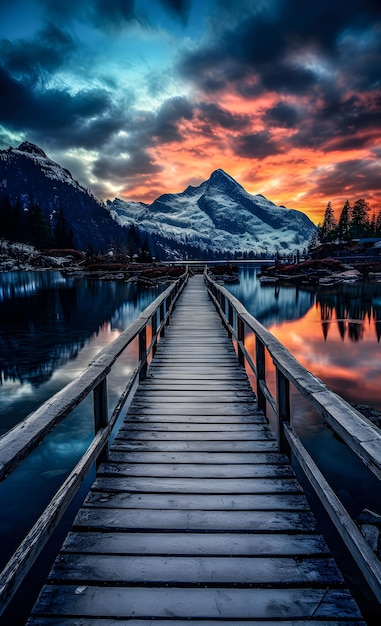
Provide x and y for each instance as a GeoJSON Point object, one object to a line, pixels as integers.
{"type": "Point", "coordinates": [51, 327]}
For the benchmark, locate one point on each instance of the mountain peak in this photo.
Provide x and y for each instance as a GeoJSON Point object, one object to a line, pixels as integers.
{"type": "Point", "coordinates": [31, 148]}
{"type": "Point", "coordinates": [220, 175]}
{"type": "Point", "coordinates": [221, 179]}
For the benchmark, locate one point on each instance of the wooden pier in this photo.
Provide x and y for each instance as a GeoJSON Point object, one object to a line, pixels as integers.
{"type": "Point", "coordinates": [196, 516]}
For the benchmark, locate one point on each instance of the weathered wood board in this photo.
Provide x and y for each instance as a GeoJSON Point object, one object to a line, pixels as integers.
{"type": "Point", "coordinates": [195, 518]}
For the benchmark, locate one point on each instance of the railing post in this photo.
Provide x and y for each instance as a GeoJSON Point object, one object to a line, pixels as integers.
{"type": "Point", "coordinates": [168, 303]}
{"type": "Point", "coordinates": [283, 404]}
{"type": "Point", "coordinates": [240, 338]}
{"type": "Point", "coordinates": [223, 303]}
{"type": "Point", "coordinates": [101, 414]}
{"type": "Point", "coordinates": [260, 363]}
{"type": "Point", "coordinates": [162, 332]}
{"type": "Point", "coordinates": [230, 317]}
{"type": "Point", "coordinates": [143, 353]}
{"type": "Point", "coordinates": [154, 329]}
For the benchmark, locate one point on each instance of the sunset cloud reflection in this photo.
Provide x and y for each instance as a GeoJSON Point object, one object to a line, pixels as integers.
{"type": "Point", "coordinates": [351, 367]}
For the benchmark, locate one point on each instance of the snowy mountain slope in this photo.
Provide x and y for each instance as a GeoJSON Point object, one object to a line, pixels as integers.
{"type": "Point", "coordinates": [219, 215]}
{"type": "Point", "coordinates": [28, 176]}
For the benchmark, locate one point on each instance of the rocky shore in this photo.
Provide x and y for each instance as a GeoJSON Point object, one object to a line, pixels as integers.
{"type": "Point", "coordinates": [22, 257]}
{"type": "Point", "coordinates": [324, 272]}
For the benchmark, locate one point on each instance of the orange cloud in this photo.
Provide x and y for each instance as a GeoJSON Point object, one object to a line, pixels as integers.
{"type": "Point", "coordinates": [303, 178]}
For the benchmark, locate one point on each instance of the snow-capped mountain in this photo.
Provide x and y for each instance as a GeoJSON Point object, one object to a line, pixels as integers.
{"type": "Point", "coordinates": [29, 177]}
{"type": "Point", "coordinates": [216, 218]}
{"type": "Point", "coordinates": [221, 216]}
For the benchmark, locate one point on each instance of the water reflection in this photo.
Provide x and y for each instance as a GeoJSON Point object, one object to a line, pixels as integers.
{"type": "Point", "coordinates": [333, 331]}
{"type": "Point", "coordinates": [50, 329]}
{"type": "Point", "coordinates": [351, 306]}
{"type": "Point", "coordinates": [270, 304]}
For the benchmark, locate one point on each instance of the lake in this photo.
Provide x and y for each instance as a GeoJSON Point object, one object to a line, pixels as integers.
{"type": "Point", "coordinates": [51, 327]}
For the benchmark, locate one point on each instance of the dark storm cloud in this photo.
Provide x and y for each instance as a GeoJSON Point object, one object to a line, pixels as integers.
{"type": "Point", "coordinates": [127, 156]}
{"type": "Point", "coordinates": [32, 59]}
{"type": "Point", "coordinates": [118, 168]}
{"type": "Point", "coordinates": [282, 114]}
{"type": "Point", "coordinates": [255, 145]}
{"type": "Point", "coordinates": [52, 109]}
{"type": "Point", "coordinates": [354, 177]}
{"type": "Point", "coordinates": [339, 123]}
{"type": "Point", "coordinates": [266, 39]}
{"type": "Point", "coordinates": [171, 112]}
{"type": "Point", "coordinates": [285, 78]}
{"type": "Point", "coordinates": [213, 115]}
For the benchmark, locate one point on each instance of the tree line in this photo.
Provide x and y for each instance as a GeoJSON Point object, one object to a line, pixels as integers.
{"type": "Point", "coordinates": [355, 222]}
{"type": "Point", "coordinates": [29, 225]}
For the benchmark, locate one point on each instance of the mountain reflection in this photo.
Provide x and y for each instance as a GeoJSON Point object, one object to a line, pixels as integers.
{"type": "Point", "coordinates": [270, 304]}
{"type": "Point", "coordinates": [46, 319]}
{"type": "Point", "coordinates": [349, 306]}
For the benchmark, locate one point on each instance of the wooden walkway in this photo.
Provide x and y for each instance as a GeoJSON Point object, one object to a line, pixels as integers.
{"type": "Point", "coordinates": [196, 516]}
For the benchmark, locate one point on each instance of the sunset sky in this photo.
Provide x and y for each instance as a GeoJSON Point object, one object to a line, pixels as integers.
{"type": "Point", "coordinates": [143, 97]}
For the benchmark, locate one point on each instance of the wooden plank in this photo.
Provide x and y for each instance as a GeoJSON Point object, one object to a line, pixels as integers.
{"type": "Point", "coordinates": [261, 544]}
{"type": "Point", "coordinates": [188, 520]}
{"type": "Point", "coordinates": [163, 360]}
{"type": "Point", "coordinates": [204, 386]}
{"type": "Point", "coordinates": [232, 458]}
{"type": "Point", "coordinates": [206, 485]}
{"type": "Point", "coordinates": [106, 497]}
{"type": "Point", "coordinates": [200, 396]}
{"type": "Point", "coordinates": [198, 418]}
{"type": "Point", "coordinates": [199, 570]}
{"type": "Point", "coordinates": [263, 434]}
{"type": "Point", "coordinates": [197, 446]}
{"type": "Point", "coordinates": [189, 408]}
{"type": "Point", "coordinates": [198, 603]}
{"type": "Point", "coordinates": [121, 467]}
{"type": "Point", "coordinates": [63, 621]}
{"type": "Point", "coordinates": [177, 426]}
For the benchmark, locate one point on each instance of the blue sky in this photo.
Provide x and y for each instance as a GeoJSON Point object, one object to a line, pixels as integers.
{"type": "Point", "coordinates": [140, 97]}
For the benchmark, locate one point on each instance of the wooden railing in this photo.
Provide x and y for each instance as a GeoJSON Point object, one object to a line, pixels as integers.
{"type": "Point", "coordinates": [357, 433]}
{"type": "Point", "coordinates": [19, 442]}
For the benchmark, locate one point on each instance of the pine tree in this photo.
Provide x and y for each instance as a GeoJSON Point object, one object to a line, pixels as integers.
{"type": "Point", "coordinates": [6, 218]}
{"type": "Point", "coordinates": [328, 230]}
{"type": "Point", "coordinates": [38, 232]}
{"type": "Point", "coordinates": [372, 225]}
{"type": "Point", "coordinates": [344, 226]}
{"type": "Point", "coordinates": [360, 220]}
{"type": "Point", "coordinates": [63, 233]}
{"type": "Point", "coordinates": [378, 225]}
